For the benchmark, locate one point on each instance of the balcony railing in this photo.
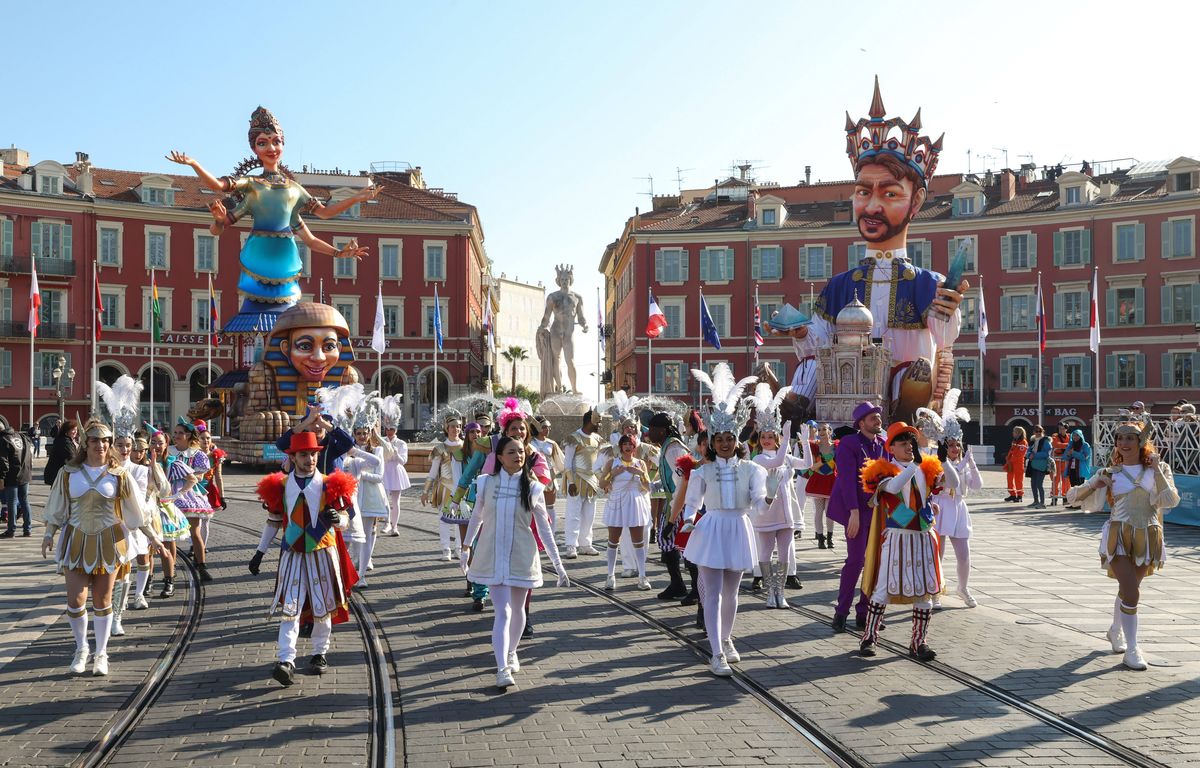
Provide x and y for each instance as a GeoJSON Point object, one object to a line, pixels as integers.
{"type": "Point", "coordinates": [971, 397]}
{"type": "Point", "coordinates": [50, 266]}
{"type": "Point", "coordinates": [15, 329]}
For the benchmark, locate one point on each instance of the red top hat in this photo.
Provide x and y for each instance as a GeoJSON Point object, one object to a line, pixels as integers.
{"type": "Point", "coordinates": [303, 441]}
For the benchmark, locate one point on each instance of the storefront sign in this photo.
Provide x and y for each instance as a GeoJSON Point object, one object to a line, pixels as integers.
{"type": "Point", "coordinates": [1188, 511]}
{"type": "Point", "coordinates": [187, 338]}
{"type": "Point", "coordinates": [1059, 412]}
{"type": "Point", "coordinates": [272, 454]}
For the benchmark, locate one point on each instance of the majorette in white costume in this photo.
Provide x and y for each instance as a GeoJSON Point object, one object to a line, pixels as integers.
{"type": "Point", "coordinates": [366, 465]}
{"type": "Point", "coordinates": [395, 456]}
{"type": "Point", "coordinates": [732, 489]}
{"type": "Point", "coordinates": [775, 525]}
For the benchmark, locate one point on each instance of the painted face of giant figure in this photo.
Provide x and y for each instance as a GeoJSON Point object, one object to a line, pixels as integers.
{"type": "Point", "coordinates": [887, 194]}
{"type": "Point", "coordinates": [313, 352]}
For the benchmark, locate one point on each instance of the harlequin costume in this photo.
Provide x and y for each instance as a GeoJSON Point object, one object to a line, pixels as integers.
{"type": "Point", "coordinates": [903, 560]}
{"type": "Point", "coordinates": [582, 454]}
{"type": "Point", "coordinates": [819, 487]}
{"type": "Point", "coordinates": [723, 544]}
{"type": "Point", "coordinates": [1138, 496]}
{"type": "Point", "coordinates": [315, 573]}
{"type": "Point", "coordinates": [216, 499]}
{"type": "Point", "coordinates": [92, 511]}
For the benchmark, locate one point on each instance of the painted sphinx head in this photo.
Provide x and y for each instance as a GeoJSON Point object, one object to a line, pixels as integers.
{"type": "Point", "coordinates": [311, 337]}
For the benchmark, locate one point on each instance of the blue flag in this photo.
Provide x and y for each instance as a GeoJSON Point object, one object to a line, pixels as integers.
{"type": "Point", "coordinates": [707, 327]}
{"type": "Point", "coordinates": [437, 318]}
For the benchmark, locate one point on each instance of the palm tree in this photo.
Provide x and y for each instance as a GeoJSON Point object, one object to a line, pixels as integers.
{"type": "Point", "coordinates": [514, 355]}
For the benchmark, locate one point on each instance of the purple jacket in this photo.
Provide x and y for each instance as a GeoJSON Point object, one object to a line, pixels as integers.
{"type": "Point", "coordinates": [853, 451]}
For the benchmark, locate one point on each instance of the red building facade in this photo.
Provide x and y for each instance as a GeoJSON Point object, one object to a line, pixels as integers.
{"type": "Point", "coordinates": [68, 218]}
{"type": "Point", "coordinates": [1136, 227]}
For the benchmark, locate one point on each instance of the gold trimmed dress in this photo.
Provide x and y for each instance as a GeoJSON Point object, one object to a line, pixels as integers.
{"type": "Point", "coordinates": [93, 510]}
{"type": "Point", "coordinates": [1138, 497]}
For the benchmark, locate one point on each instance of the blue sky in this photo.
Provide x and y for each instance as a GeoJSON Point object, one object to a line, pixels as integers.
{"type": "Point", "coordinates": [545, 115]}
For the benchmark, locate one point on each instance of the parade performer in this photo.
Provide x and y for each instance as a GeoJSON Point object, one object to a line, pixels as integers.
{"type": "Point", "coordinates": [152, 481]}
{"type": "Point", "coordinates": [366, 466]}
{"type": "Point", "coordinates": [335, 444]}
{"type": "Point", "coordinates": [445, 468]}
{"type": "Point", "coordinates": [503, 553]}
{"type": "Point", "coordinates": [174, 525]}
{"type": "Point", "coordinates": [915, 311]}
{"type": "Point", "coordinates": [624, 411]}
{"type": "Point", "coordinates": [1139, 488]}
{"type": "Point", "coordinates": [903, 557]}
{"type": "Point", "coordinates": [313, 577]}
{"type": "Point", "coordinates": [186, 475]}
{"type": "Point", "coordinates": [270, 260]}
{"type": "Point", "coordinates": [552, 452]}
{"type": "Point", "coordinates": [395, 456]}
{"type": "Point", "coordinates": [626, 480]}
{"type": "Point", "coordinates": [849, 506]}
{"type": "Point", "coordinates": [731, 489]}
{"type": "Point", "coordinates": [775, 525]}
{"type": "Point", "coordinates": [1059, 442]}
{"type": "Point", "coordinates": [952, 518]}
{"type": "Point", "coordinates": [93, 506]}
{"type": "Point", "coordinates": [1014, 465]}
{"type": "Point", "coordinates": [819, 483]}
{"type": "Point", "coordinates": [662, 432]}
{"type": "Point", "coordinates": [684, 466]}
{"type": "Point", "coordinates": [214, 479]}
{"type": "Point", "coordinates": [582, 453]}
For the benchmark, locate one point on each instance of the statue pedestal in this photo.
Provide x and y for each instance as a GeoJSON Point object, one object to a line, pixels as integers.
{"type": "Point", "coordinates": [565, 413]}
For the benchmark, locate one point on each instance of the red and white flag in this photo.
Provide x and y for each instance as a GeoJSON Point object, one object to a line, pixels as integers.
{"type": "Point", "coordinates": [1094, 341]}
{"type": "Point", "coordinates": [657, 320]}
{"type": "Point", "coordinates": [983, 326]}
{"type": "Point", "coordinates": [35, 303]}
{"type": "Point", "coordinates": [98, 302]}
{"type": "Point", "coordinates": [1041, 317]}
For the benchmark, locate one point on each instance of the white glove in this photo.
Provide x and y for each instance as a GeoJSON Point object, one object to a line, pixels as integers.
{"type": "Point", "coordinates": [563, 581]}
{"type": "Point", "coordinates": [454, 508]}
{"type": "Point", "coordinates": [464, 558]}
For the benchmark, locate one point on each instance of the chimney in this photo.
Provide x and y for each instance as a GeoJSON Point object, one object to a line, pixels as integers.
{"type": "Point", "coordinates": [1008, 185]}
{"type": "Point", "coordinates": [807, 175]}
{"type": "Point", "coordinates": [85, 181]}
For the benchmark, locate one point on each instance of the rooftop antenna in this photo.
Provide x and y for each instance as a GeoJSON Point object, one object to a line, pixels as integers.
{"type": "Point", "coordinates": [968, 161]}
{"type": "Point", "coordinates": [649, 179]}
{"type": "Point", "coordinates": [1005, 151]}
{"type": "Point", "coordinates": [679, 179]}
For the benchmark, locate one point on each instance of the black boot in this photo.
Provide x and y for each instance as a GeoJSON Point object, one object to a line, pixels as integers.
{"type": "Point", "coordinates": [693, 596]}
{"type": "Point", "coordinates": [168, 589]}
{"type": "Point", "coordinates": [756, 584]}
{"type": "Point", "coordinates": [793, 583]}
{"type": "Point", "coordinates": [676, 589]}
{"type": "Point", "coordinates": [255, 562]}
{"type": "Point", "coordinates": [700, 617]}
{"type": "Point", "coordinates": [820, 541]}
{"type": "Point", "coordinates": [829, 540]}
{"type": "Point", "coordinates": [205, 576]}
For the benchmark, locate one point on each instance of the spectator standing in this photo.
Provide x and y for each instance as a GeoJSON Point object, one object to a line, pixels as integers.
{"type": "Point", "coordinates": [16, 470]}
{"type": "Point", "coordinates": [35, 436]}
{"type": "Point", "coordinates": [62, 450]}
{"type": "Point", "coordinates": [1078, 460]}
{"type": "Point", "coordinates": [1039, 464]}
{"type": "Point", "coordinates": [1058, 478]}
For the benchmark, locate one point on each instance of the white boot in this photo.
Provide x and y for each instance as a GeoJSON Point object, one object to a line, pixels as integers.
{"type": "Point", "coordinates": [79, 663]}
{"type": "Point", "coordinates": [100, 665]}
{"type": "Point", "coordinates": [765, 570]}
{"type": "Point", "coordinates": [504, 679]}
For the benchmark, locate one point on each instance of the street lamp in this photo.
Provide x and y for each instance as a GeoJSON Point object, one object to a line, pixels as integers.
{"type": "Point", "coordinates": [60, 371]}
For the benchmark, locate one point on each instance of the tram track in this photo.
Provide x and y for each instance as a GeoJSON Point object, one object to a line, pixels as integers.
{"type": "Point", "coordinates": [383, 682]}
{"type": "Point", "coordinates": [108, 743]}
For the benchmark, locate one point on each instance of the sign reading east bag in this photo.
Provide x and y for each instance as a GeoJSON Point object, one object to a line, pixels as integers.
{"type": "Point", "coordinates": [1048, 412]}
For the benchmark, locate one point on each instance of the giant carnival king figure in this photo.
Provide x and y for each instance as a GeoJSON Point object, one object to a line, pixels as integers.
{"type": "Point", "coordinates": [915, 311]}
{"type": "Point", "coordinates": [307, 344]}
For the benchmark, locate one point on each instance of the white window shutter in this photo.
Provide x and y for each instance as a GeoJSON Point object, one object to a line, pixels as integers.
{"type": "Point", "coordinates": [755, 264]}
{"type": "Point", "coordinates": [802, 263]}
{"type": "Point", "coordinates": [1086, 380]}
{"type": "Point", "coordinates": [1058, 249]}
{"type": "Point", "coordinates": [1166, 239]}
{"type": "Point", "coordinates": [1058, 310]}
{"type": "Point", "coordinates": [1141, 370]}
{"type": "Point", "coordinates": [1139, 242]}
{"type": "Point", "coordinates": [6, 237]}
{"type": "Point", "coordinates": [705, 266]}
{"type": "Point", "coordinates": [1139, 306]}
{"type": "Point", "coordinates": [851, 256]}
{"type": "Point", "coordinates": [1195, 318]}
{"type": "Point", "coordinates": [1005, 251]}
{"type": "Point", "coordinates": [828, 262]}
{"type": "Point", "coordinates": [729, 264]}
{"type": "Point", "coordinates": [1195, 369]}
{"type": "Point", "coordinates": [1085, 239]}
{"type": "Point", "coordinates": [66, 242]}
{"type": "Point", "coordinates": [35, 238]}
{"type": "Point", "coordinates": [1110, 307]}
{"type": "Point", "coordinates": [1005, 375]}
{"type": "Point", "coordinates": [1165, 294]}
{"type": "Point", "coordinates": [1058, 373]}
{"type": "Point", "coordinates": [658, 377]}
{"type": "Point", "coordinates": [1167, 370]}
{"type": "Point", "coordinates": [1110, 371]}
{"type": "Point", "coordinates": [1005, 313]}
{"type": "Point", "coordinates": [684, 257]}
{"type": "Point", "coordinates": [658, 266]}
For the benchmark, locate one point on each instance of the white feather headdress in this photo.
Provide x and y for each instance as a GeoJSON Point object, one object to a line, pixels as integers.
{"type": "Point", "coordinates": [953, 416]}
{"type": "Point", "coordinates": [366, 415]}
{"type": "Point", "coordinates": [341, 403]}
{"type": "Point", "coordinates": [622, 407]}
{"type": "Point", "coordinates": [390, 411]}
{"type": "Point", "coordinates": [123, 401]}
{"type": "Point", "coordinates": [726, 412]}
{"type": "Point", "coordinates": [766, 408]}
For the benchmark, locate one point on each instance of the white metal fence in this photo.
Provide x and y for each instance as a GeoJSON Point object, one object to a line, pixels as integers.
{"type": "Point", "coordinates": [1177, 440]}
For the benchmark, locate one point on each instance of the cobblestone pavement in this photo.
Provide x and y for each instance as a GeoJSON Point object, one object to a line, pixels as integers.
{"type": "Point", "coordinates": [600, 687]}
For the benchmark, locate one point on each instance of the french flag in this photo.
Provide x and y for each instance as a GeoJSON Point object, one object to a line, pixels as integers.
{"type": "Point", "coordinates": [657, 320]}
{"type": "Point", "coordinates": [35, 303]}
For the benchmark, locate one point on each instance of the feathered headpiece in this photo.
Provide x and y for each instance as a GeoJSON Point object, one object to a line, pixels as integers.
{"type": "Point", "coordinates": [510, 412]}
{"type": "Point", "coordinates": [953, 416]}
{"type": "Point", "coordinates": [766, 408]}
{"type": "Point", "coordinates": [1143, 432]}
{"type": "Point", "coordinates": [726, 411]}
{"type": "Point", "coordinates": [366, 415]}
{"type": "Point", "coordinates": [123, 401]}
{"type": "Point", "coordinates": [390, 411]}
{"type": "Point", "coordinates": [447, 415]}
{"type": "Point", "coordinates": [341, 403]}
{"type": "Point", "coordinates": [623, 408]}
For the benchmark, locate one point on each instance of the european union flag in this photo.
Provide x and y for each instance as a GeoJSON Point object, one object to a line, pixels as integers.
{"type": "Point", "coordinates": [437, 318]}
{"type": "Point", "coordinates": [707, 327]}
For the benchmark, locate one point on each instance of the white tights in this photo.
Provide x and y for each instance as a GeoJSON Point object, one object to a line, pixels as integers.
{"type": "Point", "coordinates": [446, 532]}
{"type": "Point", "coordinates": [509, 605]}
{"type": "Point", "coordinates": [366, 548]}
{"type": "Point", "coordinates": [820, 504]}
{"type": "Point", "coordinates": [393, 507]}
{"type": "Point", "coordinates": [719, 593]}
{"type": "Point", "coordinates": [962, 554]}
{"type": "Point", "coordinates": [781, 540]}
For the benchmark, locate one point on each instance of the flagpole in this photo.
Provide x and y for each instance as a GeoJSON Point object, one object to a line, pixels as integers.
{"type": "Point", "coordinates": [152, 320]}
{"type": "Point", "coordinates": [700, 343]}
{"type": "Point", "coordinates": [437, 313]}
{"type": "Point", "coordinates": [211, 331]}
{"type": "Point", "coordinates": [755, 329]}
{"type": "Point", "coordinates": [95, 330]}
{"type": "Point", "coordinates": [1094, 340]}
{"type": "Point", "coordinates": [1041, 347]}
{"type": "Point", "coordinates": [599, 367]}
{"type": "Point", "coordinates": [32, 337]}
{"type": "Point", "coordinates": [979, 373]}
